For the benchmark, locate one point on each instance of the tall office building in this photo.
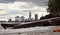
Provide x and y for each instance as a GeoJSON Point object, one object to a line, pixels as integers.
{"type": "Point", "coordinates": [36, 17]}
{"type": "Point", "coordinates": [29, 15]}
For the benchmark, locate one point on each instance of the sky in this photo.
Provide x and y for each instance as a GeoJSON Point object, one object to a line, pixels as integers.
{"type": "Point", "coordinates": [12, 8]}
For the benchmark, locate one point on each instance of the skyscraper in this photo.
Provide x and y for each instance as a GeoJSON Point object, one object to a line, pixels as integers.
{"type": "Point", "coordinates": [36, 17]}
{"type": "Point", "coordinates": [29, 15]}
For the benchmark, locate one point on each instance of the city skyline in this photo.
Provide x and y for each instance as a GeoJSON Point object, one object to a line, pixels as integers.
{"type": "Point", "coordinates": [22, 18]}
{"type": "Point", "coordinates": [12, 8]}
{"type": "Point", "coordinates": [29, 16]}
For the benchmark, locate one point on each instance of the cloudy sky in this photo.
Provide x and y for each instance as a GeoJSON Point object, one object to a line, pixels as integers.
{"type": "Point", "coordinates": [12, 8]}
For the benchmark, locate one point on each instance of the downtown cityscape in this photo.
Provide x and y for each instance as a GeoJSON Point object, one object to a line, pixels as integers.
{"type": "Point", "coordinates": [22, 18]}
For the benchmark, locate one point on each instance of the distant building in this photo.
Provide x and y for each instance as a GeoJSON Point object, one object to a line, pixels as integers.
{"type": "Point", "coordinates": [42, 17]}
{"type": "Point", "coordinates": [29, 16]}
{"type": "Point", "coordinates": [17, 18]}
{"type": "Point", "coordinates": [36, 17]}
{"type": "Point", "coordinates": [22, 18]}
{"type": "Point", "coordinates": [9, 20]}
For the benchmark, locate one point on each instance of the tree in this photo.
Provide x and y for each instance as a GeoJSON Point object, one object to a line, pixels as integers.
{"type": "Point", "coordinates": [53, 6]}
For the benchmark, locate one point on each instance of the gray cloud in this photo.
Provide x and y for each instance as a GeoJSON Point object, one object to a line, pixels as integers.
{"type": "Point", "coordinates": [7, 1]}
{"type": "Point", "coordinates": [42, 3]}
{"type": "Point", "coordinates": [10, 1]}
{"type": "Point", "coordinates": [37, 2]}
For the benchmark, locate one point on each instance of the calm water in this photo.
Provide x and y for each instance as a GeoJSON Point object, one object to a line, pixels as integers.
{"type": "Point", "coordinates": [31, 31]}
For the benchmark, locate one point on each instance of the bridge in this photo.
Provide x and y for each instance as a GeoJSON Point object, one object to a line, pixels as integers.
{"type": "Point", "coordinates": [45, 22]}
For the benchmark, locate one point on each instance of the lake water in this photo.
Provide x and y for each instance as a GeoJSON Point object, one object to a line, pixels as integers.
{"type": "Point", "coordinates": [48, 30]}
